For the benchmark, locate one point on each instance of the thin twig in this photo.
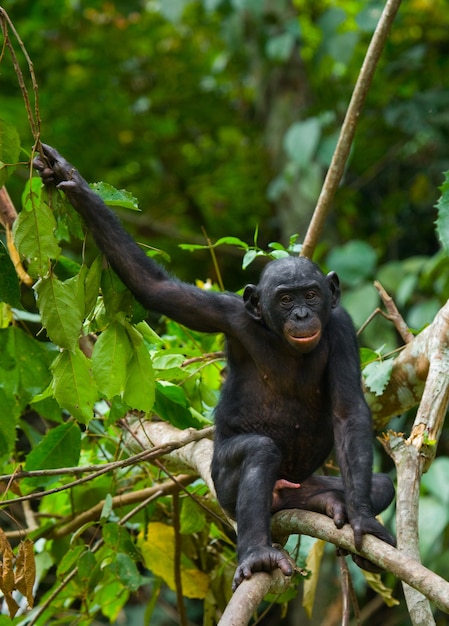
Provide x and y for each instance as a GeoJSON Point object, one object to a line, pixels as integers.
{"type": "Point", "coordinates": [393, 313]}
{"type": "Point", "coordinates": [342, 150]}
{"type": "Point", "coordinates": [146, 455]}
{"type": "Point", "coordinates": [177, 560]}
{"type": "Point", "coordinates": [34, 118]}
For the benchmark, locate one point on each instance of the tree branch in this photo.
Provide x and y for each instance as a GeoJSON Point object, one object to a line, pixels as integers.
{"type": "Point", "coordinates": [391, 559]}
{"type": "Point", "coordinates": [341, 154]}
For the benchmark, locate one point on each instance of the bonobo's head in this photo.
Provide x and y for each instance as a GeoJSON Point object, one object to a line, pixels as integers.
{"type": "Point", "coordinates": [294, 299]}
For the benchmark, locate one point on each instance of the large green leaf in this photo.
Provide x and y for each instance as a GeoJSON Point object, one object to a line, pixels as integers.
{"type": "Point", "coordinates": [140, 385]}
{"type": "Point", "coordinates": [111, 353]}
{"type": "Point", "coordinates": [59, 448]}
{"type": "Point", "coordinates": [60, 309]}
{"type": "Point", "coordinates": [9, 150]}
{"type": "Point", "coordinates": [73, 385]}
{"type": "Point", "coordinates": [34, 230]}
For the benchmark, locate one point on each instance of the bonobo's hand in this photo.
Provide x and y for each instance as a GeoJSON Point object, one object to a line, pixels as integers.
{"type": "Point", "coordinates": [261, 559]}
{"type": "Point", "coordinates": [55, 170]}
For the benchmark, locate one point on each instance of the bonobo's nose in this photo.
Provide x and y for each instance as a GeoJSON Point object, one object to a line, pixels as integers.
{"type": "Point", "coordinates": [301, 312]}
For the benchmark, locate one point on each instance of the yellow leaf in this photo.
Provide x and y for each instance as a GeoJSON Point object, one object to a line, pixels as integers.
{"type": "Point", "coordinates": [313, 563]}
{"type": "Point", "coordinates": [26, 571]}
{"type": "Point", "coordinates": [376, 583]}
{"type": "Point", "coordinates": [158, 549]}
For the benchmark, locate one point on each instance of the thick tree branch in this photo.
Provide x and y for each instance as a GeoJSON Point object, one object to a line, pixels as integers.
{"type": "Point", "coordinates": [410, 371]}
{"type": "Point", "coordinates": [391, 559]}
{"type": "Point", "coordinates": [341, 154]}
{"type": "Point", "coordinates": [413, 457]}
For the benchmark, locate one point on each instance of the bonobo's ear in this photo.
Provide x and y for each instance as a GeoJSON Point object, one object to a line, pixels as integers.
{"type": "Point", "coordinates": [334, 286]}
{"type": "Point", "coordinates": [252, 302]}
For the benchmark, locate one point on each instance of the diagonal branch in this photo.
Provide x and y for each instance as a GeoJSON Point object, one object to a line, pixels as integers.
{"type": "Point", "coordinates": [341, 154]}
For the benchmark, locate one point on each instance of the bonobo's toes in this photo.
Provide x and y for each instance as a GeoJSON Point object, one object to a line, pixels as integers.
{"type": "Point", "coordinates": [261, 559]}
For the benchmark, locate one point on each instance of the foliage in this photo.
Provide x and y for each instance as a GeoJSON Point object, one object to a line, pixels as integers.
{"type": "Point", "coordinates": [177, 103]}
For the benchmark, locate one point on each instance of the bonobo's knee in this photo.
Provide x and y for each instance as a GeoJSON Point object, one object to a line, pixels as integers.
{"type": "Point", "coordinates": [382, 492]}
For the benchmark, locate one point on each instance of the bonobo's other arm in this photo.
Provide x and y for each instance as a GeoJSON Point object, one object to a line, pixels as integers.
{"type": "Point", "coordinates": [149, 282]}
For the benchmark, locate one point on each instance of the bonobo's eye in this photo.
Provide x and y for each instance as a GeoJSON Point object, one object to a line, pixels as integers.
{"type": "Point", "coordinates": [311, 295]}
{"type": "Point", "coordinates": [286, 299]}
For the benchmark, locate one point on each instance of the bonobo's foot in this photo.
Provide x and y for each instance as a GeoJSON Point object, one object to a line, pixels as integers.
{"type": "Point", "coordinates": [325, 494]}
{"type": "Point", "coordinates": [261, 559]}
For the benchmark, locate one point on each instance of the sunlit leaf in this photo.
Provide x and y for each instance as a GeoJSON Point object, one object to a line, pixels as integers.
{"type": "Point", "coordinates": [158, 547]}
{"type": "Point", "coordinates": [377, 375]}
{"type": "Point", "coordinates": [115, 197]}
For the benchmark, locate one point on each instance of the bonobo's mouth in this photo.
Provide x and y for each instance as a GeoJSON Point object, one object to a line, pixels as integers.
{"type": "Point", "coordinates": [305, 339]}
{"type": "Point", "coordinates": [305, 342]}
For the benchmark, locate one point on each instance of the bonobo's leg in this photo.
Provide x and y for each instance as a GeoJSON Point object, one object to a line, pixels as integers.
{"type": "Point", "coordinates": [325, 494]}
{"type": "Point", "coordinates": [244, 470]}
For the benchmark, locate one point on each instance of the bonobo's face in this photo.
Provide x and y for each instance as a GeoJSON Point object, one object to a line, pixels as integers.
{"type": "Point", "coordinates": [294, 299]}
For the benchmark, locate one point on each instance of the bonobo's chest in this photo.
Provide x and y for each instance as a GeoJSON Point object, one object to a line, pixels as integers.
{"type": "Point", "coordinates": [269, 386]}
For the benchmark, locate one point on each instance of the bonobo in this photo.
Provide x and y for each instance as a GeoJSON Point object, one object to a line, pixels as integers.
{"type": "Point", "coordinates": [292, 390]}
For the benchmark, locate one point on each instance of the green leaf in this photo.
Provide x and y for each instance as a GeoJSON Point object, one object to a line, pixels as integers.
{"type": "Point", "coordinates": [24, 365]}
{"type": "Point", "coordinates": [127, 572]}
{"type": "Point", "coordinates": [60, 309]}
{"type": "Point", "coordinates": [34, 231]}
{"type": "Point", "coordinates": [73, 385]}
{"type": "Point", "coordinates": [59, 448]}
{"type": "Point", "coordinates": [301, 140]}
{"type": "Point", "coordinates": [443, 214]}
{"type": "Point", "coordinates": [193, 518]}
{"type": "Point", "coordinates": [249, 257]}
{"type": "Point", "coordinates": [377, 375]}
{"type": "Point", "coordinates": [9, 150]}
{"type": "Point", "coordinates": [115, 197]}
{"type": "Point", "coordinates": [111, 353]}
{"type": "Point", "coordinates": [92, 285]}
{"type": "Point", "coordinates": [353, 262]}
{"type": "Point", "coordinates": [118, 539]}
{"type": "Point", "coordinates": [9, 405]}
{"type": "Point", "coordinates": [69, 560]}
{"type": "Point", "coordinates": [9, 284]}
{"type": "Point", "coordinates": [140, 386]}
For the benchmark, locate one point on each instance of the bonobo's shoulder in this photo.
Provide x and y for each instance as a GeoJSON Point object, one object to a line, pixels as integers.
{"type": "Point", "coordinates": [340, 323]}
{"type": "Point", "coordinates": [339, 315]}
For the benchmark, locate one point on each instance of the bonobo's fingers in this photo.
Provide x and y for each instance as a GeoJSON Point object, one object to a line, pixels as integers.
{"type": "Point", "coordinates": [261, 559]}
{"type": "Point", "coordinates": [53, 168]}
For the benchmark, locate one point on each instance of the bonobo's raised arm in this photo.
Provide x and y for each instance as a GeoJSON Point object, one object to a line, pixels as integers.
{"type": "Point", "coordinates": [149, 282]}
